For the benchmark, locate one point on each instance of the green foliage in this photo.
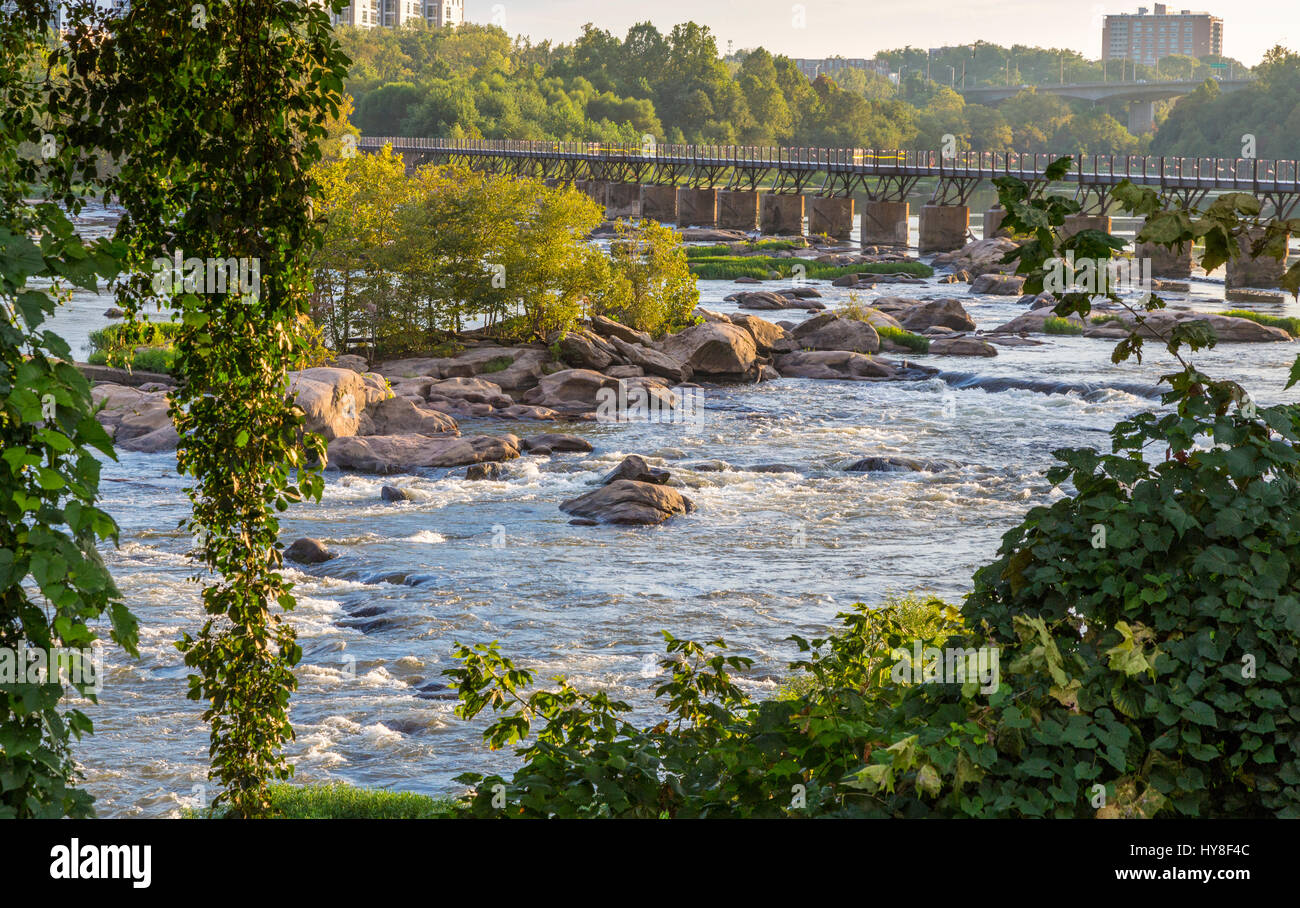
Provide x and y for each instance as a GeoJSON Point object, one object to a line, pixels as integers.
{"type": "Point", "coordinates": [408, 260]}
{"type": "Point", "coordinates": [1289, 324]}
{"type": "Point", "coordinates": [729, 267]}
{"type": "Point", "coordinates": [141, 346]}
{"type": "Point", "coordinates": [498, 364]}
{"type": "Point", "coordinates": [340, 801]}
{"type": "Point", "coordinates": [54, 586]}
{"type": "Point", "coordinates": [901, 336]}
{"type": "Point", "coordinates": [1057, 325]}
{"type": "Point", "coordinates": [215, 151]}
{"type": "Point", "coordinates": [474, 82]}
{"type": "Point", "coordinates": [650, 286]}
{"type": "Point", "coordinates": [770, 245]}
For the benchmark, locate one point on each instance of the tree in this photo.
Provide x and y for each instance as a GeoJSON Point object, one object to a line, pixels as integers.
{"type": "Point", "coordinates": [54, 585]}
{"type": "Point", "coordinates": [650, 287]}
{"type": "Point", "coordinates": [215, 149]}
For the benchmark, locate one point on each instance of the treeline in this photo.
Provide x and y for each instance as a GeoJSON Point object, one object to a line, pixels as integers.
{"type": "Point", "coordinates": [1261, 120]}
{"type": "Point", "coordinates": [475, 82]}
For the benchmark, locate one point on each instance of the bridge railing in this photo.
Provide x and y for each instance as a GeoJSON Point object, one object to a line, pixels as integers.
{"type": "Point", "coordinates": [1209, 172]}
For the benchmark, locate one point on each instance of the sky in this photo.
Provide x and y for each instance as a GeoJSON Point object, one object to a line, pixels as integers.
{"type": "Point", "coordinates": [860, 28]}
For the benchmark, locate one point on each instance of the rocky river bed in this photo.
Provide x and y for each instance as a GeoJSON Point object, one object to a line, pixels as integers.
{"type": "Point", "coordinates": [780, 534]}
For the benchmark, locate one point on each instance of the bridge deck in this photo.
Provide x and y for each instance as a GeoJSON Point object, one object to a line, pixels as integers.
{"type": "Point", "coordinates": [1202, 173]}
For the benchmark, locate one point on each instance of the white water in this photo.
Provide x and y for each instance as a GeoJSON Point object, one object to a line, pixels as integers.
{"type": "Point", "coordinates": [379, 622]}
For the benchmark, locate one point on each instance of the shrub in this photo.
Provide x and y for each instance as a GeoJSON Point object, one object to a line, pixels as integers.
{"type": "Point", "coordinates": [1288, 324]}
{"type": "Point", "coordinates": [904, 338]}
{"type": "Point", "coordinates": [1057, 325]}
{"type": "Point", "coordinates": [142, 346]}
{"type": "Point", "coordinates": [717, 268]}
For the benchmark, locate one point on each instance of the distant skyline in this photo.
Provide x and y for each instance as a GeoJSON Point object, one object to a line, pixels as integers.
{"type": "Point", "coordinates": [853, 28]}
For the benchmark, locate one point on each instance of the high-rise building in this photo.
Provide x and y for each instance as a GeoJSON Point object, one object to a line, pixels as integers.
{"type": "Point", "coordinates": [396, 13]}
{"type": "Point", "coordinates": [1146, 36]}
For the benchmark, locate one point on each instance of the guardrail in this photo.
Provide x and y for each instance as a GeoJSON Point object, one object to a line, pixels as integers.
{"type": "Point", "coordinates": [1180, 172]}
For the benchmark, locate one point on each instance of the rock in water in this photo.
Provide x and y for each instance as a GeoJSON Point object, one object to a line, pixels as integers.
{"type": "Point", "coordinates": [483, 471]}
{"type": "Point", "coordinates": [558, 442]}
{"type": "Point", "coordinates": [625, 501]}
{"type": "Point", "coordinates": [308, 551]}
{"type": "Point", "coordinates": [635, 468]}
{"type": "Point", "coordinates": [393, 493]}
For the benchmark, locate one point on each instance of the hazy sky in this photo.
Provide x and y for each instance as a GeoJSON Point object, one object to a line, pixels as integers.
{"type": "Point", "coordinates": [859, 28]}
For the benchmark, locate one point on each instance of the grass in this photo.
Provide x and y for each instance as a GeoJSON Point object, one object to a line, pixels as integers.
{"type": "Point", "coordinates": [1057, 325]}
{"type": "Point", "coordinates": [1106, 319]}
{"type": "Point", "coordinates": [498, 364]}
{"type": "Point", "coordinates": [1288, 324]}
{"type": "Point", "coordinates": [697, 252]}
{"type": "Point", "coordinates": [729, 267]}
{"type": "Point", "coordinates": [340, 801]}
{"type": "Point", "coordinates": [149, 345]}
{"type": "Point", "coordinates": [904, 338]}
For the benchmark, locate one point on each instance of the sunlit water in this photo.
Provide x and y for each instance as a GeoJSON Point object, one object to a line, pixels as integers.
{"type": "Point", "coordinates": [764, 556]}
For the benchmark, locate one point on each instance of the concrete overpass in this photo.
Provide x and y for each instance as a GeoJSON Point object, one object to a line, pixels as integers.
{"type": "Point", "coordinates": [1138, 96]}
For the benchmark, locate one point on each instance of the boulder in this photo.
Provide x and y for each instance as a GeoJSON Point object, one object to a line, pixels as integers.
{"type": "Point", "coordinates": [626, 501]}
{"type": "Point", "coordinates": [400, 416]}
{"type": "Point", "coordinates": [896, 464]}
{"type": "Point", "coordinates": [635, 468]}
{"type": "Point", "coordinates": [829, 331]}
{"type": "Point", "coordinates": [470, 390]}
{"type": "Point", "coordinates": [395, 494]}
{"type": "Point", "coordinates": [944, 313]}
{"type": "Point", "coordinates": [476, 471]}
{"type": "Point", "coordinates": [308, 551]}
{"type": "Point", "coordinates": [570, 390]}
{"type": "Point", "coordinates": [331, 399]}
{"type": "Point", "coordinates": [766, 299]}
{"type": "Point", "coordinates": [625, 372]}
{"type": "Point", "coordinates": [557, 442]}
{"type": "Point", "coordinates": [404, 453]}
{"type": "Point", "coordinates": [961, 345]}
{"type": "Point", "coordinates": [764, 333]}
{"type": "Point", "coordinates": [714, 348]}
{"type": "Point", "coordinates": [608, 328]}
{"type": "Point", "coordinates": [652, 361]}
{"type": "Point", "coordinates": [979, 257]}
{"type": "Point", "coordinates": [833, 364]}
{"type": "Point", "coordinates": [998, 284]}
{"type": "Point", "coordinates": [585, 350]}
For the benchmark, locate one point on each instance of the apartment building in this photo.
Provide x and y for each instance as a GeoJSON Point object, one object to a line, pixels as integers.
{"type": "Point", "coordinates": [1146, 36]}
{"type": "Point", "coordinates": [396, 13]}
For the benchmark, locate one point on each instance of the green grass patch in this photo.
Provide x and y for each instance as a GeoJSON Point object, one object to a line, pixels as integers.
{"type": "Point", "coordinates": [144, 347]}
{"type": "Point", "coordinates": [1107, 320]}
{"type": "Point", "coordinates": [730, 267]}
{"type": "Point", "coordinates": [1057, 325]}
{"type": "Point", "coordinates": [904, 338]}
{"type": "Point", "coordinates": [498, 364]}
{"type": "Point", "coordinates": [340, 801]}
{"type": "Point", "coordinates": [700, 252]}
{"type": "Point", "coordinates": [1288, 324]}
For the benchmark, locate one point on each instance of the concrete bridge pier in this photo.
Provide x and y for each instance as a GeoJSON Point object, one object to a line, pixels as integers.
{"type": "Point", "coordinates": [1141, 117]}
{"type": "Point", "coordinates": [884, 223]}
{"type": "Point", "coordinates": [738, 210]}
{"type": "Point", "coordinates": [1074, 223]}
{"type": "Point", "coordinates": [1175, 263]}
{"type": "Point", "coordinates": [697, 207]}
{"type": "Point", "coordinates": [1264, 272]}
{"type": "Point", "coordinates": [832, 216]}
{"type": "Point", "coordinates": [659, 203]}
{"type": "Point", "coordinates": [782, 214]}
{"type": "Point", "coordinates": [623, 200]}
{"type": "Point", "coordinates": [993, 222]}
{"type": "Point", "coordinates": [596, 190]}
{"type": "Point", "coordinates": [943, 228]}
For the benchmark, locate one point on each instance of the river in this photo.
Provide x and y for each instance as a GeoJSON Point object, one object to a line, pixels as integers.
{"type": "Point", "coordinates": [764, 556]}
